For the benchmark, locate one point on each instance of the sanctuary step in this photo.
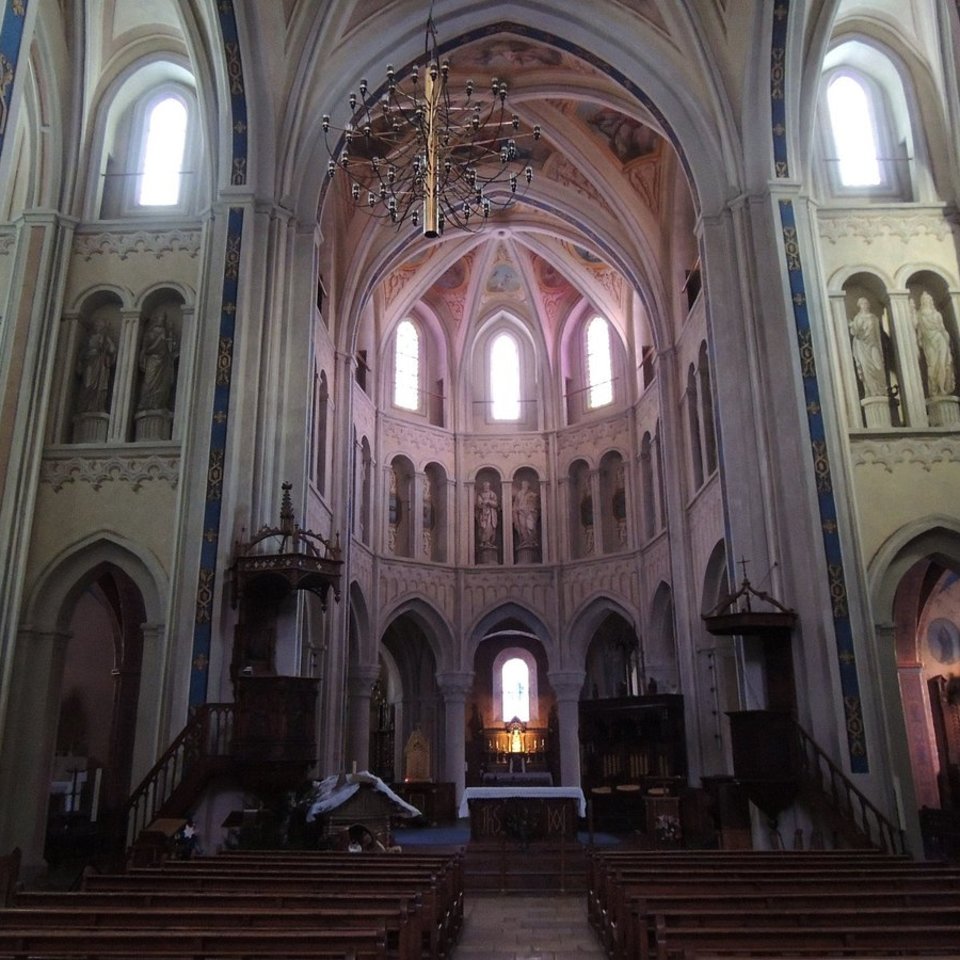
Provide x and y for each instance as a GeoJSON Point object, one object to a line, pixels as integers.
{"type": "Point", "coordinates": [540, 867]}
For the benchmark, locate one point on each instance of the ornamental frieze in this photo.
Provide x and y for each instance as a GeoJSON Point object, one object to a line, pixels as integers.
{"type": "Point", "coordinates": [870, 227]}
{"type": "Point", "coordinates": [924, 451]}
{"type": "Point", "coordinates": [122, 244]}
{"type": "Point", "coordinates": [123, 468]}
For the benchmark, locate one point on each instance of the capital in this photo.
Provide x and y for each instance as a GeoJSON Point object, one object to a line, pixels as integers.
{"type": "Point", "coordinates": [455, 686]}
{"type": "Point", "coordinates": [567, 684]}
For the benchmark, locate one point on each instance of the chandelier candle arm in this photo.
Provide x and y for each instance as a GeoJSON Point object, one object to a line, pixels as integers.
{"type": "Point", "coordinates": [430, 156]}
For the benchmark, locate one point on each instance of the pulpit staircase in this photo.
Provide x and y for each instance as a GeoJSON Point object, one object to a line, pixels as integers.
{"type": "Point", "coordinates": [201, 751]}
{"type": "Point", "coordinates": [827, 791]}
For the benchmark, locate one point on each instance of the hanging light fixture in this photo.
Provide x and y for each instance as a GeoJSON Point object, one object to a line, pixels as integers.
{"type": "Point", "coordinates": [417, 151]}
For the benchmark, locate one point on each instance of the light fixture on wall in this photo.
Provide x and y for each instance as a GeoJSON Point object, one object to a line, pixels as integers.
{"type": "Point", "coordinates": [417, 151]}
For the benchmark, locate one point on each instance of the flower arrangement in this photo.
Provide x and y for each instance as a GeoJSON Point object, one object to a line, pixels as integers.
{"type": "Point", "coordinates": [667, 829]}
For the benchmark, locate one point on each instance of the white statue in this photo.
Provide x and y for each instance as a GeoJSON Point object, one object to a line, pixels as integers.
{"type": "Point", "coordinates": [868, 350]}
{"type": "Point", "coordinates": [934, 341]}
{"type": "Point", "coordinates": [94, 363]}
{"type": "Point", "coordinates": [526, 513]}
{"type": "Point", "coordinates": [158, 363]}
{"type": "Point", "coordinates": [487, 515]}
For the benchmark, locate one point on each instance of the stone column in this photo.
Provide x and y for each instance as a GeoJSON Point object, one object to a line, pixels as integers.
{"type": "Point", "coordinates": [29, 743]}
{"type": "Point", "coordinates": [146, 746]}
{"type": "Point", "coordinates": [567, 685]}
{"type": "Point", "coordinates": [455, 687]}
{"type": "Point", "coordinates": [913, 406]}
{"type": "Point", "coordinates": [126, 377]}
{"type": "Point", "coordinates": [360, 682]}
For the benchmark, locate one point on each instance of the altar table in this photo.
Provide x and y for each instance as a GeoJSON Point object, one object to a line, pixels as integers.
{"type": "Point", "coordinates": [531, 812]}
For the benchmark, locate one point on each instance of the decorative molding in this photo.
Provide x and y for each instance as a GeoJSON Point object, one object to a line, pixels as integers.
{"type": "Point", "coordinates": [400, 581]}
{"type": "Point", "coordinates": [595, 437]}
{"type": "Point", "coordinates": [508, 453]}
{"type": "Point", "coordinates": [559, 168]}
{"type": "Point", "coordinates": [421, 443]}
{"type": "Point", "coordinates": [534, 589]}
{"type": "Point", "coordinates": [645, 177]}
{"type": "Point", "coordinates": [121, 243]}
{"type": "Point", "coordinates": [135, 469]}
{"type": "Point", "coordinates": [923, 451]}
{"type": "Point", "coordinates": [872, 226]}
{"type": "Point", "coordinates": [614, 576]}
{"type": "Point", "coordinates": [8, 240]}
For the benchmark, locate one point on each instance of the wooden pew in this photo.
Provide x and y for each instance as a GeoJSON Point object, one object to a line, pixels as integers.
{"type": "Point", "coordinates": [630, 895]}
{"type": "Point", "coordinates": [440, 922]}
{"type": "Point", "coordinates": [210, 943]}
{"type": "Point", "coordinates": [399, 917]}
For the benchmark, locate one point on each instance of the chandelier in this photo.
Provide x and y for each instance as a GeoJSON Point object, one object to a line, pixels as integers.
{"type": "Point", "coordinates": [415, 150]}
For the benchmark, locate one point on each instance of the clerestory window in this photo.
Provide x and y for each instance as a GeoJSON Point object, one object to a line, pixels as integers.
{"type": "Point", "coordinates": [505, 377]}
{"type": "Point", "coordinates": [855, 136]}
{"type": "Point", "coordinates": [599, 367]}
{"type": "Point", "coordinates": [163, 152]}
{"type": "Point", "coordinates": [406, 367]}
{"type": "Point", "coordinates": [515, 676]}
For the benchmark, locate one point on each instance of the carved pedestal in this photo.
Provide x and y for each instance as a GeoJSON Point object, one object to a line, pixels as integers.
{"type": "Point", "coordinates": [153, 425]}
{"type": "Point", "coordinates": [528, 554]}
{"type": "Point", "coordinates": [91, 427]}
{"type": "Point", "coordinates": [876, 411]}
{"type": "Point", "coordinates": [943, 411]}
{"type": "Point", "coordinates": [487, 555]}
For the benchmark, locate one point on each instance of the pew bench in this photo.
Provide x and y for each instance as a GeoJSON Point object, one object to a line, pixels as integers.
{"type": "Point", "coordinates": [211, 943]}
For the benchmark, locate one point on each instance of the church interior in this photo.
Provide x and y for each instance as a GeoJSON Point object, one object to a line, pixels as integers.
{"type": "Point", "coordinates": [486, 396]}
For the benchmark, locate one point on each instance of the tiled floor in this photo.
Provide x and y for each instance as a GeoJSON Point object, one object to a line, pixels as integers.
{"type": "Point", "coordinates": [512, 927]}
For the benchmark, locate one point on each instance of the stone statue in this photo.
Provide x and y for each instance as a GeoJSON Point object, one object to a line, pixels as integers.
{"type": "Point", "coordinates": [934, 341]}
{"type": "Point", "coordinates": [158, 355]}
{"type": "Point", "coordinates": [416, 757]}
{"type": "Point", "coordinates": [487, 515]}
{"type": "Point", "coordinates": [868, 350]}
{"type": "Point", "coordinates": [526, 513]}
{"type": "Point", "coordinates": [94, 362]}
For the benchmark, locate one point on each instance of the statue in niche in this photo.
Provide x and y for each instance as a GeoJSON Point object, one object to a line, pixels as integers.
{"type": "Point", "coordinates": [586, 519]}
{"type": "Point", "coordinates": [488, 518]}
{"type": "Point", "coordinates": [526, 514]}
{"type": "Point", "coordinates": [158, 357]}
{"type": "Point", "coordinates": [934, 342]}
{"type": "Point", "coordinates": [393, 512]}
{"type": "Point", "coordinates": [868, 350]}
{"type": "Point", "coordinates": [620, 505]}
{"type": "Point", "coordinates": [416, 757]}
{"type": "Point", "coordinates": [428, 519]}
{"type": "Point", "coordinates": [94, 363]}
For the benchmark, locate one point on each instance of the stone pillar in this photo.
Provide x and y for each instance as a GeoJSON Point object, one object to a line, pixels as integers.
{"type": "Point", "coordinates": [360, 682]}
{"type": "Point", "coordinates": [567, 685]}
{"type": "Point", "coordinates": [912, 406]}
{"type": "Point", "coordinates": [455, 687]}
{"type": "Point", "coordinates": [126, 377]}
{"type": "Point", "coordinates": [29, 744]}
{"type": "Point", "coordinates": [146, 746]}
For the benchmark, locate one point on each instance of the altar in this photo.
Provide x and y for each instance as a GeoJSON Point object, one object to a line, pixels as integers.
{"type": "Point", "coordinates": [523, 813]}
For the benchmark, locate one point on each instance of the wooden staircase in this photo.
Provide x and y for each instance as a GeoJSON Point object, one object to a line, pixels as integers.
{"type": "Point", "coordinates": [854, 821]}
{"type": "Point", "coordinates": [201, 751]}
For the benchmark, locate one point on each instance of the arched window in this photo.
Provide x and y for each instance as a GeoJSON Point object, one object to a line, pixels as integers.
{"type": "Point", "coordinates": [854, 132]}
{"type": "Point", "coordinates": [599, 370]}
{"type": "Point", "coordinates": [164, 143]}
{"type": "Point", "coordinates": [515, 675]}
{"type": "Point", "coordinates": [505, 377]}
{"type": "Point", "coordinates": [406, 367]}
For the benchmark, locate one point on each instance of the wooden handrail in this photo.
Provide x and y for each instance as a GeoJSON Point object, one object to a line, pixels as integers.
{"type": "Point", "coordinates": [848, 801]}
{"type": "Point", "coordinates": [208, 734]}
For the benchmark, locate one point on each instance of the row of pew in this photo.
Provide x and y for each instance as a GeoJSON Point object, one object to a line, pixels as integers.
{"type": "Point", "coordinates": [246, 905]}
{"type": "Point", "coordinates": [694, 905]}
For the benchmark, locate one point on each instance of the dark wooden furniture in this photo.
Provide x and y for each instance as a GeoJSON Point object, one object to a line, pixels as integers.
{"type": "Point", "coordinates": [436, 801]}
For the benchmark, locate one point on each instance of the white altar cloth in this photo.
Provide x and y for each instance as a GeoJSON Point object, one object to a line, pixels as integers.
{"type": "Point", "coordinates": [480, 793]}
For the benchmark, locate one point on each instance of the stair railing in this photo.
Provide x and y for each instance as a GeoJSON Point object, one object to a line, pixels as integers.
{"type": "Point", "coordinates": [822, 773]}
{"type": "Point", "coordinates": [208, 734]}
